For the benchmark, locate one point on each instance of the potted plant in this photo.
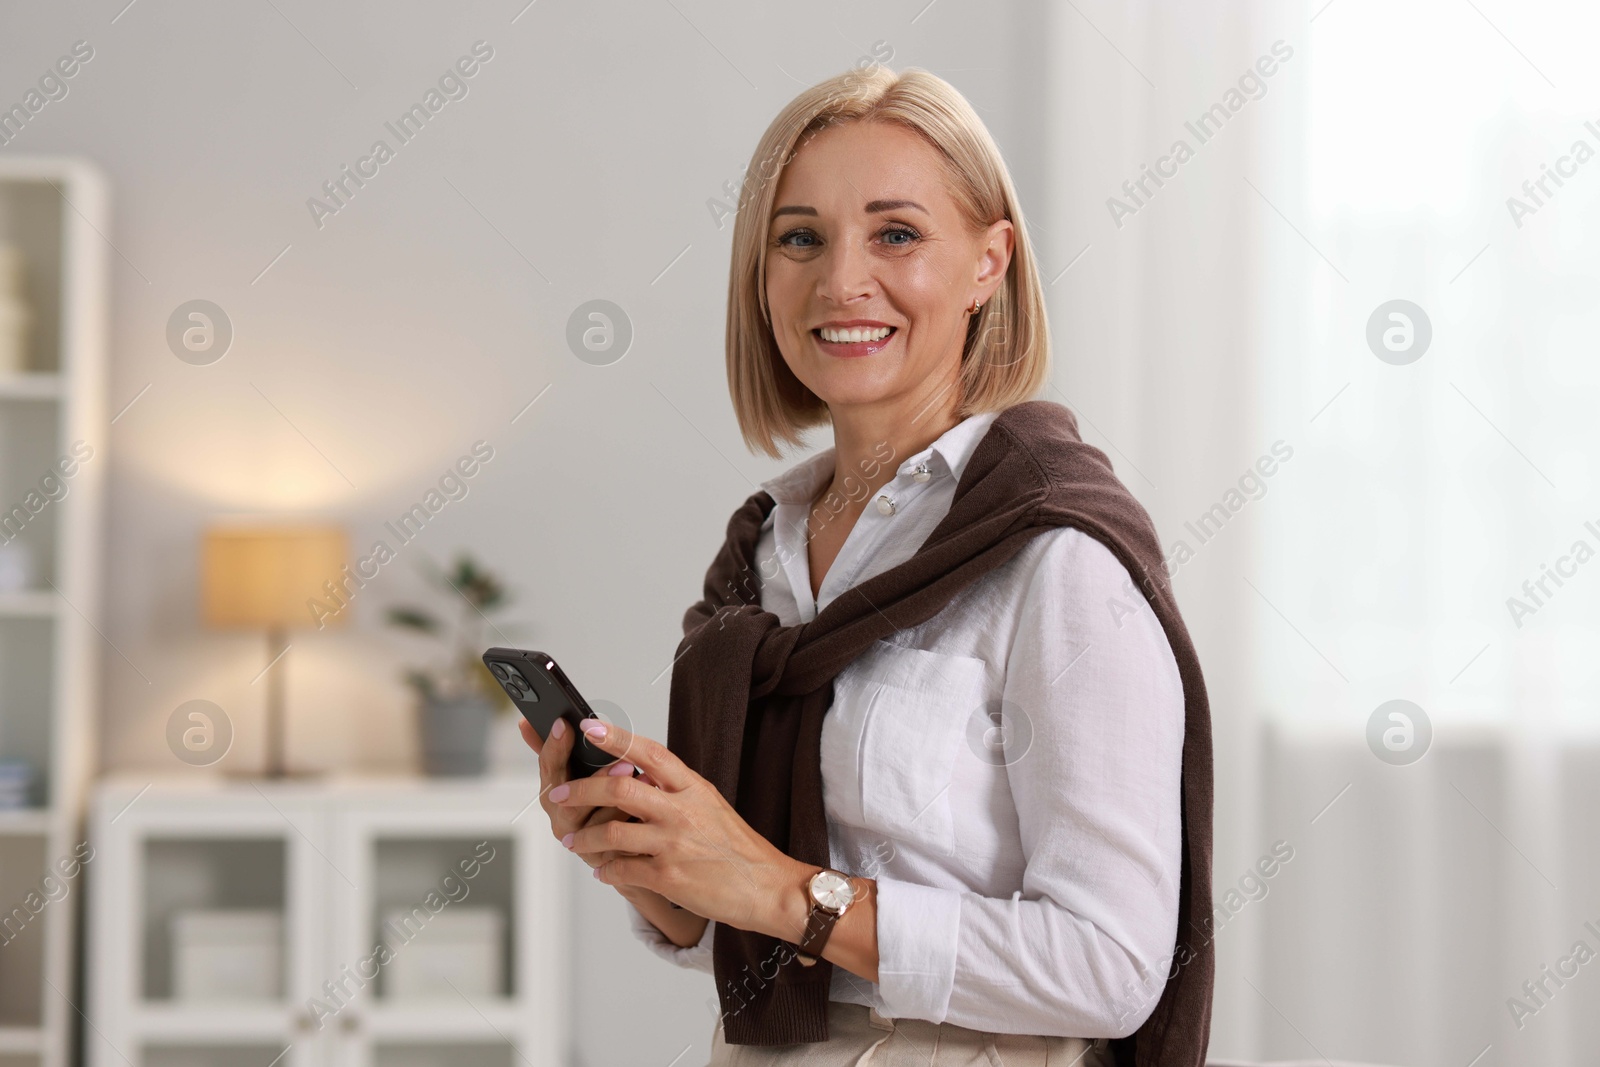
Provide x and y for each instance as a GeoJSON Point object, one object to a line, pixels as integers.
{"type": "Point", "coordinates": [459, 698]}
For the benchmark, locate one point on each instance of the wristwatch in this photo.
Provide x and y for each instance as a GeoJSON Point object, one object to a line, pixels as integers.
{"type": "Point", "coordinates": [831, 894]}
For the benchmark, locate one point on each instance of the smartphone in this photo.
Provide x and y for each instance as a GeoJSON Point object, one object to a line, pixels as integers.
{"type": "Point", "coordinates": [542, 692]}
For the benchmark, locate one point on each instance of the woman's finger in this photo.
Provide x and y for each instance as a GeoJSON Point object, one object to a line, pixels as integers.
{"type": "Point", "coordinates": [601, 840]}
{"type": "Point", "coordinates": [554, 751]}
{"type": "Point", "coordinates": [529, 735]}
{"type": "Point", "coordinates": [553, 757]}
{"type": "Point", "coordinates": [599, 817]}
{"type": "Point", "coordinates": [622, 791]}
{"type": "Point", "coordinates": [665, 769]}
{"type": "Point", "coordinates": [629, 870]}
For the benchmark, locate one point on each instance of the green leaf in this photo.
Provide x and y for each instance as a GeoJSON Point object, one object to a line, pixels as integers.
{"type": "Point", "coordinates": [463, 579]}
{"type": "Point", "coordinates": [414, 619]}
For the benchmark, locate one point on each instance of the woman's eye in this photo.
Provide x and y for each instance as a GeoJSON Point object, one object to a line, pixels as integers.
{"type": "Point", "coordinates": [897, 237]}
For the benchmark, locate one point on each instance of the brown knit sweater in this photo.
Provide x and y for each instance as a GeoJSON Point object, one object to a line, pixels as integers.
{"type": "Point", "coordinates": [749, 695]}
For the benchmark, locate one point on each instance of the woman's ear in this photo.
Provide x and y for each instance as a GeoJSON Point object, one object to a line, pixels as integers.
{"type": "Point", "coordinates": [994, 257]}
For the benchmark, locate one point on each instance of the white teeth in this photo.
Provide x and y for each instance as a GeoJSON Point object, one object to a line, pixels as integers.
{"type": "Point", "coordinates": [856, 335]}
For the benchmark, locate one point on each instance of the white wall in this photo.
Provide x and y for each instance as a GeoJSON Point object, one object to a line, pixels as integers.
{"type": "Point", "coordinates": [412, 323]}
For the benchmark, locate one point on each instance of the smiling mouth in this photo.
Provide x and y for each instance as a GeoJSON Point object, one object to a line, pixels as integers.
{"type": "Point", "coordinates": [854, 341]}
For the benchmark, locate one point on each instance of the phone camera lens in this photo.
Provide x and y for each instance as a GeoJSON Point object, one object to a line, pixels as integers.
{"type": "Point", "coordinates": [512, 681]}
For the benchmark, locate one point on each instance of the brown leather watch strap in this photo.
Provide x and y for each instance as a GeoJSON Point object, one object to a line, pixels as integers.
{"type": "Point", "coordinates": [819, 927]}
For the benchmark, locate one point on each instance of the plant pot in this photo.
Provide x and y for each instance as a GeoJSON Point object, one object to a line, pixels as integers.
{"type": "Point", "coordinates": [455, 735]}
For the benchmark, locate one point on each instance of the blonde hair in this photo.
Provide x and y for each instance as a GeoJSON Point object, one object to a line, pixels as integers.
{"type": "Point", "coordinates": [1005, 359]}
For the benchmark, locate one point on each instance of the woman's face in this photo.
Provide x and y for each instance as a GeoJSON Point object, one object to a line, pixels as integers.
{"type": "Point", "coordinates": [870, 269]}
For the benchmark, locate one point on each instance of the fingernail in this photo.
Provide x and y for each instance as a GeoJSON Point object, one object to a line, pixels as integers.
{"type": "Point", "coordinates": [560, 792]}
{"type": "Point", "coordinates": [559, 728]}
{"type": "Point", "coordinates": [595, 729]}
{"type": "Point", "coordinates": [596, 872]}
{"type": "Point", "coordinates": [619, 769]}
{"type": "Point", "coordinates": [566, 839]}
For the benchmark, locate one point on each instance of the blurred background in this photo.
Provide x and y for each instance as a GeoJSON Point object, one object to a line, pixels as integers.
{"type": "Point", "coordinates": [1340, 343]}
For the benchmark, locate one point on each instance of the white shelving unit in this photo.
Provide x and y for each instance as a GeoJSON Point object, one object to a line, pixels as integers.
{"type": "Point", "coordinates": [332, 857]}
{"type": "Point", "coordinates": [56, 211]}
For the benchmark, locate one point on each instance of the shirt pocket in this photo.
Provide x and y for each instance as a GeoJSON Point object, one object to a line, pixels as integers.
{"type": "Point", "coordinates": [918, 704]}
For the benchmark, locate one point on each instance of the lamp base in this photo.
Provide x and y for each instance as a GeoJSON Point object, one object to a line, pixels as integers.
{"type": "Point", "coordinates": [290, 774]}
{"type": "Point", "coordinates": [277, 763]}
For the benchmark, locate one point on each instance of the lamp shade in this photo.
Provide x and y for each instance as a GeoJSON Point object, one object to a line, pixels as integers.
{"type": "Point", "coordinates": [264, 577]}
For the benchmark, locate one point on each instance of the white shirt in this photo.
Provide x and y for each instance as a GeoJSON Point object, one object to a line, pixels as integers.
{"type": "Point", "coordinates": [1008, 771]}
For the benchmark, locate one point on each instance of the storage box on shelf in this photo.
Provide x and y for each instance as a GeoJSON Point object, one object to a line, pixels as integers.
{"type": "Point", "coordinates": [53, 310]}
{"type": "Point", "coordinates": [227, 954]}
{"type": "Point", "coordinates": [386, 923]}
{"type": "Point", "coordinates": [459, 952]}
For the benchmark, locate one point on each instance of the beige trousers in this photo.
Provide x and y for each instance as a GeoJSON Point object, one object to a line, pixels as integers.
{"type": "Point", "coordinates": [858, 1036]}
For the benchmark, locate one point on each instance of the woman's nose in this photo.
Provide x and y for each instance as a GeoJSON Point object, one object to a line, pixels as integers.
{"type": "Point", "coordinates": [846, 274]}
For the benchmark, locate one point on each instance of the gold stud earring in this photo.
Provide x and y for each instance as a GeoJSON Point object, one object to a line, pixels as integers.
{"type": "Point", "coordinates": [976, 304]}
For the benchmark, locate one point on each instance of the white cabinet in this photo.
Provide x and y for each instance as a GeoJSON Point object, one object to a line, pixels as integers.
{"type": "Point", "coordinates": [370, 879]}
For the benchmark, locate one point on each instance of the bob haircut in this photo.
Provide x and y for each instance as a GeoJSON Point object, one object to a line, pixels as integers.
{"type": "Point", "coordinates": [1006, 357]}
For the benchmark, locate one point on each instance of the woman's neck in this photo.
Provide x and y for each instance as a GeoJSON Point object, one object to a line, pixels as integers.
{"type": "Point", "coordinates": [869, 446]}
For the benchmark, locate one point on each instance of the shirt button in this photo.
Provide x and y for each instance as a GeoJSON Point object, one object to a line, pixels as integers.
{"type": "Point", "coordinates": [921, 473]}
{"type": "Point", "coordinates": [885, 506]}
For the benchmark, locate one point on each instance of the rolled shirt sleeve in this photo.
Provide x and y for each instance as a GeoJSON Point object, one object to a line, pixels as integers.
{"type": "Point", "coordinates": [919, 936]}
{"type": "Point", "coordinates": [1094, 766]}
{"type": "Point", "coordinates": [695, 957]}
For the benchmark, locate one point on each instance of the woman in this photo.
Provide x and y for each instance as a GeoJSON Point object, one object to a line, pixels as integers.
{"type": "Point", "coordinates": [937, 786]}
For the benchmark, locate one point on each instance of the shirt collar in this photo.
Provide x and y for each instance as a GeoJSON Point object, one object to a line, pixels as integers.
{"type": "Point", "coordinates": [956, 445]}
{"type": "Point", "coordinates": [951, 451]}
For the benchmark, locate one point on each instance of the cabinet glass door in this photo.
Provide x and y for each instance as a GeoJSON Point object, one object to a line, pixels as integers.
{"type": "Point", "coordinates": [217, 932]}
{"type": "Point", "coordinates": [435, 931]}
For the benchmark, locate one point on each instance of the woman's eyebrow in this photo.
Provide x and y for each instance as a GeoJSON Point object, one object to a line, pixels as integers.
{"type": "Point", "coordinates": [874, 207]}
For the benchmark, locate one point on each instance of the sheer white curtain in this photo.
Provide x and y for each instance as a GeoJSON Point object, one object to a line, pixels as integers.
{"type": "Point", "coordinates": [1153, 333]}
{"type": "Point", "coordinates": [1427, 492]}
{"type": "Point", "coordinates": [1226, 320]}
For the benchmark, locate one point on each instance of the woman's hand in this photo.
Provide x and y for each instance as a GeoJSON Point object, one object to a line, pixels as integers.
{"type": "Point", "coordinates": [690, 845]}
{"type": "Point", "coordinates": [566, 819]}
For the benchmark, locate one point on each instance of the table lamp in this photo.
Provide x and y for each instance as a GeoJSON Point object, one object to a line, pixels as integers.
{"type": "Point", "coordinates": [263, 577]}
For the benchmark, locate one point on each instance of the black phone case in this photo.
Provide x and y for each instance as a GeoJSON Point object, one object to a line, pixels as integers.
{"type": "Point", "coordinates": [546, 694]}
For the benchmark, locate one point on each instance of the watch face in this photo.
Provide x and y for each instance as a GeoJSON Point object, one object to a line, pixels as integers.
{"type": "Point", "coordinates": [832, 890]}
